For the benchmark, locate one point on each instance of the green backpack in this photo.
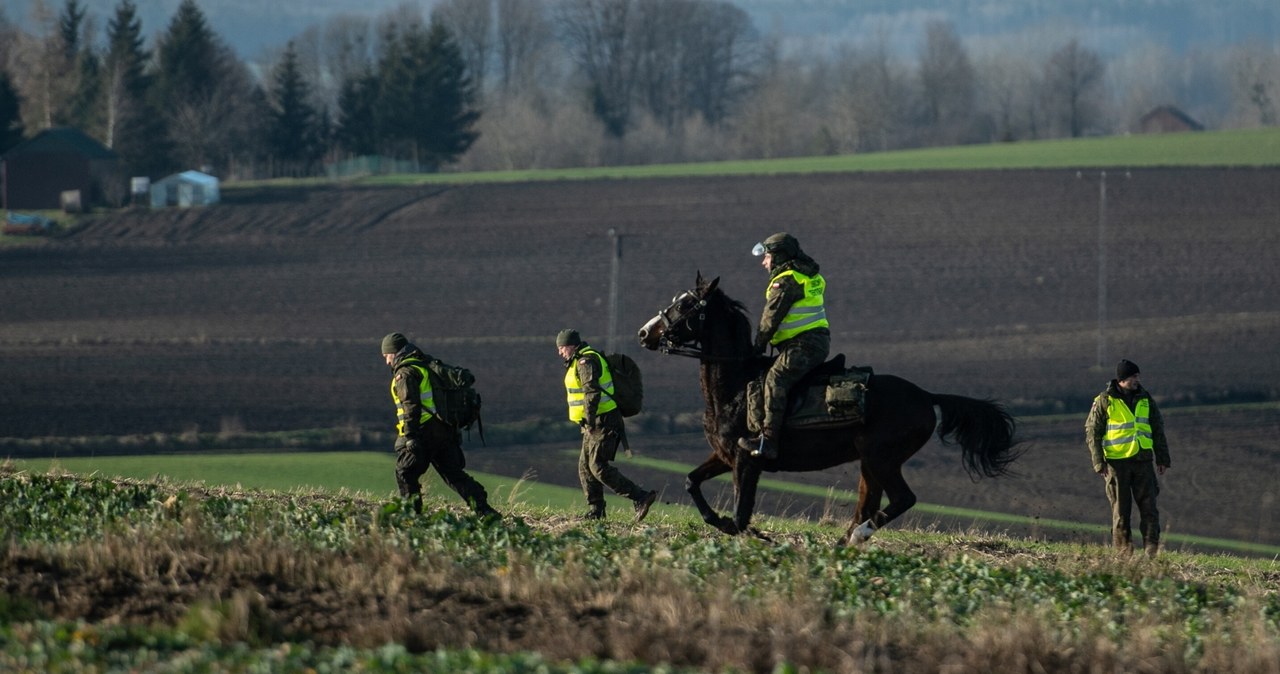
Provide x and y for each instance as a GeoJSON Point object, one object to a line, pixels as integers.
{"type": "Point", "coordinates": [457, 400]}
{"type": "Point", "coordinates": [628, 387]}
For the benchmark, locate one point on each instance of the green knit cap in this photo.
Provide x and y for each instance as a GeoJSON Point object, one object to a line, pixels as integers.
{"type": "Point", "coordinates": [568, 337]}
{"type": "Point", "coordinates": [393, 342]}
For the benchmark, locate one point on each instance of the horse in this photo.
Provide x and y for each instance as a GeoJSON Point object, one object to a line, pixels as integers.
{"type": "Point", "coordinates": [706, 324]}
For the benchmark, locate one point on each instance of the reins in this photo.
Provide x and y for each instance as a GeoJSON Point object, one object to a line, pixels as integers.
{"type": "Point", "coordinates": [667, 347]}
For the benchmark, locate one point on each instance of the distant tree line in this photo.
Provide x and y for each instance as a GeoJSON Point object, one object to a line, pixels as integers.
{"type": "Point", "coordinates": [513, 84]}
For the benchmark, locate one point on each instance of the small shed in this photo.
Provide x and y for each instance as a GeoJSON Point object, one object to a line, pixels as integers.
{"type": "Point", "coordinates": [1167, 119]}
{"type": "Point", "coordinates": [35, 172]}
{"type": "Point", "coordinates": [189, 188]}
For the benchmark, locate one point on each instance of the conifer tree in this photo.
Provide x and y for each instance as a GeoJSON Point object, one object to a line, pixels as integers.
{"type": "Point", "coordinates": [10, 114]}
{"type": "Point", "coordinates": [292, 134]}
{"type": "Point", "coordinates": [131, 126]}
{"type": "Point", "coordinates": [357, 132]}
{"type": "Point", "coordinates": [447, 128]}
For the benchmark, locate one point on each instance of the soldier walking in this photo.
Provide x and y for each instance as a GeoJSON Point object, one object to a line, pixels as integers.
{"type": "Point", "coordinates": [423, 439]}
{"type": "Point", "coordinates": [589, 389]}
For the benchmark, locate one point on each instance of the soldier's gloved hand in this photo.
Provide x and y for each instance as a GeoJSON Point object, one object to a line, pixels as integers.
{"type": "Point", "coordinates": [589, 421]}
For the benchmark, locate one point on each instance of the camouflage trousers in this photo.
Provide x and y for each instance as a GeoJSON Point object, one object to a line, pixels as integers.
{"type": "Point", "coordinates": [1132, 481]}
{"type": "Point", "coordinates": [595, 470]}
{"type": "Point", "coordinates": [796, 358]}
{"type": "Point", "coordinates": [437, 445]}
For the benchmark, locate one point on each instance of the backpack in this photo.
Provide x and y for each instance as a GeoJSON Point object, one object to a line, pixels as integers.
{"type": "Point", "coordinates": [457, 400]}
{"type": "Point", "coordinates": [628, 388]}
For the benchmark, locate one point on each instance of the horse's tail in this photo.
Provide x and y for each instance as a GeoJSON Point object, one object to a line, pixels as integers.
{"type": "Point", "coordinates": [984, 431]}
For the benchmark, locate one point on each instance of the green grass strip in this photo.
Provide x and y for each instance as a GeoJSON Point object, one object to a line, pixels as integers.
{"type": "Point", "coordinates": [1234, 148]}
{"type": "Point", "coordinates": [846, 496]}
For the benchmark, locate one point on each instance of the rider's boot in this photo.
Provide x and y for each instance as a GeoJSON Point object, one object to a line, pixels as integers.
{"type": "Point", "coordinates": [764, 446]}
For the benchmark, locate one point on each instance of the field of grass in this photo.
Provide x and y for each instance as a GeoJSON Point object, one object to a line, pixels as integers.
{"type": "Point", "coordinates": [1237, 148]}
{"type": "Point", "coordinates": [103, 575]}
{"type": "Point", "coordinates": [368, 475]}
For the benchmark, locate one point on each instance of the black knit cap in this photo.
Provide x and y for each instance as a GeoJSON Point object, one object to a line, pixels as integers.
{"type": "Point", "coordinates": [1125, 369]}
{"type": "Point", "coordinates": [393, 342]}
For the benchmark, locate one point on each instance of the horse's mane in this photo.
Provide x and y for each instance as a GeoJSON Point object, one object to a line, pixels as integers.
{"type": "Point", "coordinates": [739, 328]}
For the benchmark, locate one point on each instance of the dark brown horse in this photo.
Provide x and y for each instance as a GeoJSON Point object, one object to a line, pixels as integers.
{"type": "Point", "coordinates": [706, 324]}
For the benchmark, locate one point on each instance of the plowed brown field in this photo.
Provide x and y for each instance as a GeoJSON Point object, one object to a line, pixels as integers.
{"type": "Point", "coordinates": [265, 312]}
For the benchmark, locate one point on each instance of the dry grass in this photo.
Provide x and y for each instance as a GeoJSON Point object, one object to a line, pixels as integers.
{"type": "Point", "coordinates": [263, 589]}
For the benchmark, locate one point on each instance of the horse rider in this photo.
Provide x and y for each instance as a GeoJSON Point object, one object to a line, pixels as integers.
{"type": "Point", "coordinates": [794, 321]}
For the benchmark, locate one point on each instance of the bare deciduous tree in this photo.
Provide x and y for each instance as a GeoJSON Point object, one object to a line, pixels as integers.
{"type": "Point", "coordinates": [524, 45]}
{"type": "Point", "coordinates": [1255, 91]}
{"type": "Point", "coordinates": [947, 86]}
{"type": "Point", "coordinates": [599, 36]}
{"type": "Point", "coordinates": [471, 23]}
{"type": "Point", "coordinates": [1007, 85]}
{"type": "Point", "coordinates": [1073, 79]}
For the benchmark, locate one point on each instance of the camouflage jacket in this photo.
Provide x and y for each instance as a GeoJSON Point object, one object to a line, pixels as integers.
{"type": "Point", "coordinates": [783, 292]}
{"type": "Point", "coordinates": [1095, 426]}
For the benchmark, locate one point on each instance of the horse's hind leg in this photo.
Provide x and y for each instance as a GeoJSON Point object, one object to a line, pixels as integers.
{"type": "Point", "coordinates": [712, 467]}
{"type": "Point", "coordinates": [869, 496]}
{"type": "Point", "coordinates": [901, 499]}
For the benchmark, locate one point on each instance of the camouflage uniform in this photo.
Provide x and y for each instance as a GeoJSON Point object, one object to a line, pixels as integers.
{"type": "Point", "coordinates": [798, 355]}
{"type": "Point", "coordinates": [1132, 479]}
{"type": "Point", "coordinates": [433, 443]}
{"type": "Point", "coordinates": [601, 435]}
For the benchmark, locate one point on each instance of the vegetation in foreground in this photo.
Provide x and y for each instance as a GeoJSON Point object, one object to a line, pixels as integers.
{"type": "Point", "coordinates": [101, 574]}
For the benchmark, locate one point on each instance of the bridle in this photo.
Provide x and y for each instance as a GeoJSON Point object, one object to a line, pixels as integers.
{"type": "Point", "coordinates": [667, 321]}
{"type": "Point", "coordinates": [695, 348]}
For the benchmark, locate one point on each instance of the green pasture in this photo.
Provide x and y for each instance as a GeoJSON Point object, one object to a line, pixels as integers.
{"type": "Point", "coordinates": [1236, 148]}
{"type": "Point", "coordinates": [371, 475]}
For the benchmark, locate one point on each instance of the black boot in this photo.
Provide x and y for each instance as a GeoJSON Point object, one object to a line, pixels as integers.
{"type": "Point", "coordinates": [643, 503]}
{"type": "Point", "coordinates": [596, 513]}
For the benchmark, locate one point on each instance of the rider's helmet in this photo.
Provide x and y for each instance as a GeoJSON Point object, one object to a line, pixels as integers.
{"type": "Point", "coordinates": [782, 246]}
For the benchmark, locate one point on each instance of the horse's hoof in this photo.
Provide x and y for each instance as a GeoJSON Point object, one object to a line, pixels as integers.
{"type": "Point", "coordinates": [861, 533]}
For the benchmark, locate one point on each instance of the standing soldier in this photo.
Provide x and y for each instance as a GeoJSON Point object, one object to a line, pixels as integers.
{"type": "Point", "coordinates": [1125, 435]}
{"type": "Point", "coordinates": [794, 321]}
{"type": "Point", "coordinates": [589, 388]}
{"type": "Point", "coordinates": [423, 439]}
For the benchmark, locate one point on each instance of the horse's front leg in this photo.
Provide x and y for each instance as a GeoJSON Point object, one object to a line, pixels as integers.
{"type": "Point", "coordinates": [711, 468]}
{"type": "Point", "coordinates": [746, 479]}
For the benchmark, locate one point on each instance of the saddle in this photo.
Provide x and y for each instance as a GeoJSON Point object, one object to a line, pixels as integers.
{"type": "Point", "coordinates": [830, 396]}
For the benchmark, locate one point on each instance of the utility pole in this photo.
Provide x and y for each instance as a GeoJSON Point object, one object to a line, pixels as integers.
{"type": "Point", "coordinates": [1102, 269]}
{"type": "Point", "coordinates": [615, 267]}
{"type": "Point", "coordinates": [1102, 265]}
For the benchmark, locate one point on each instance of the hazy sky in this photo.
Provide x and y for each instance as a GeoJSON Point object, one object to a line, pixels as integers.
{"type": "Point", "coordinates": [1108, 26]}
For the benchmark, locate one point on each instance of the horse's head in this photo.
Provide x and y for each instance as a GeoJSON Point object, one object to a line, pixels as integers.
{"type": "Point", "coordinates": [679, 326]}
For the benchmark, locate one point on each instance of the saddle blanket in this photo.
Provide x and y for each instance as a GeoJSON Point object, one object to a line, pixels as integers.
{"type": "Point", "coordinates": [826, 401]}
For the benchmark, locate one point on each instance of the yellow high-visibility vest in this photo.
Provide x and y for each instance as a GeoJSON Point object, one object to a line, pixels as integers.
{"type": "Point", "coordinates": [425, 396]}
{"type": "Point", "coordinates": [1127, 432]}
{"type": "Point", "coordinates": [807, 313]}
{"type": "Point", "coordinates": [573, 388]}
